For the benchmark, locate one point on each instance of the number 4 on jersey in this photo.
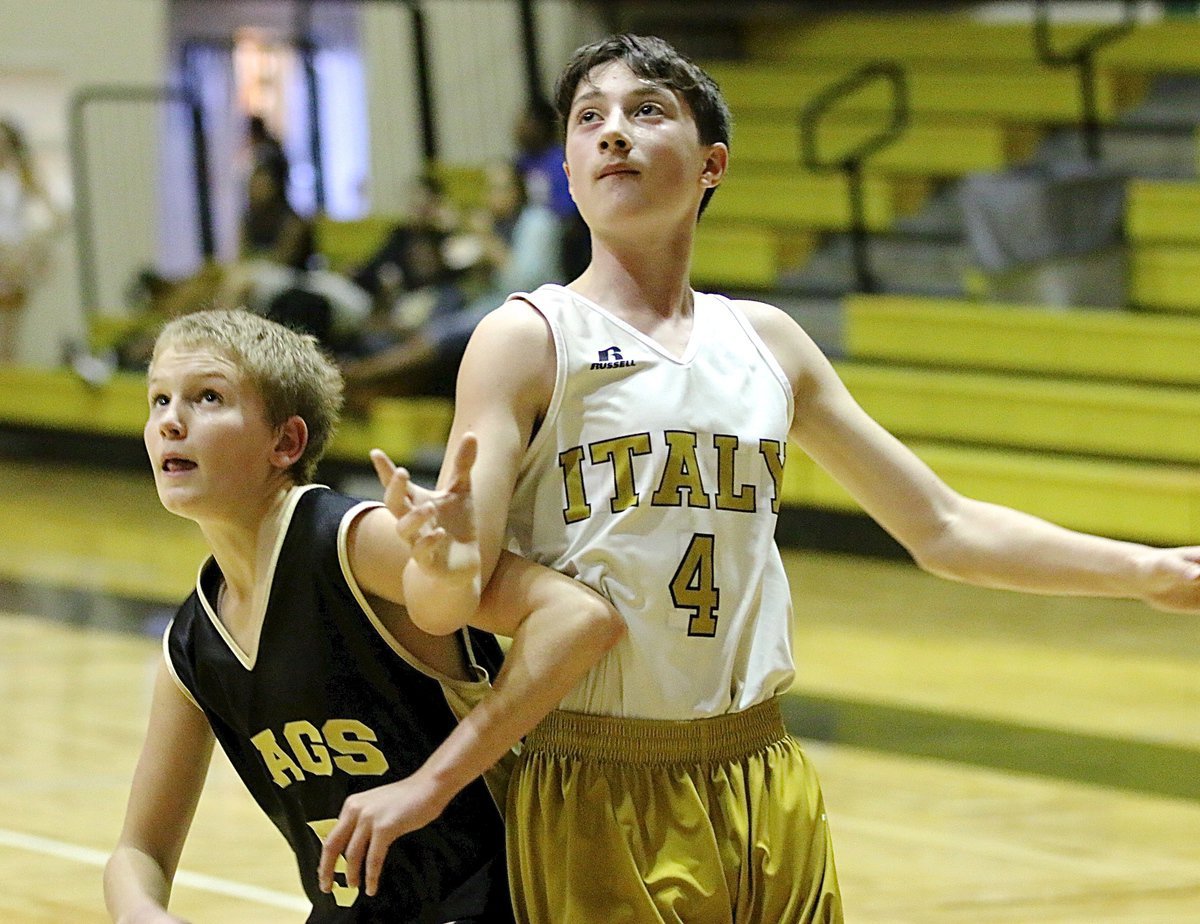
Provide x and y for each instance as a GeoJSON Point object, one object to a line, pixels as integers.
{"type": "Point", "coordinates": [694, 586]}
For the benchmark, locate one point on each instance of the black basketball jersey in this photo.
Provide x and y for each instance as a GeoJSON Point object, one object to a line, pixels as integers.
{"type": "Point", "coordinates": [332, 705]}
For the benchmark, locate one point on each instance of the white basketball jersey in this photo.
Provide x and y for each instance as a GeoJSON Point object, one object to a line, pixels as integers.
{"type": "Point", "coordinates": [656, 481]}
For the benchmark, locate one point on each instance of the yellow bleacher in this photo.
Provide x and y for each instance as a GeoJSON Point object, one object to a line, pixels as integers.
{"type": "Point", "coordinates": [929, 147]}
{"type": "Point", "coordinates": [1166, 45]}
{"type": "Point", "coordinates": [1121, 420]}
{"type": "Point", "coordinates": [1114, 345]}
{"type": "Point", "coordinates": [410, 429]}
{"type": "Point", "coordinates": [744, 255]}
{"type": "Point", "coordinates": [1162, 225]}
{"type": "Point", "coordinates": [1164, 277]}
{"type": "Point", "coordinates": [799, 200]}
{"type": "Point", "coordinates": [1151, 503]}
{"type": "Point", "coordinates": [1087, 418]}
{"type": "Point", "coordinates": [979, 100]}
{"type": "Point", "coordinates": [1011, 92]}
{"type": "Point", "coordinates": [1162, 211]}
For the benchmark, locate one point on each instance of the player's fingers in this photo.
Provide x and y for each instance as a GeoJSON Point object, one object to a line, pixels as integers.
{"type": "Point", "coordinates": [332, 848]}
{"type": "Point", "coordinates": [375, 857]}
{"type": "Point", "coordinates": [356, 852]}
{"type": "Point", "coordinates": [430, 548]}
{"type": "Point", "coordinates": [397, 497]}
{"type": "Point", "coordinates": [411, 525]}
{"type": "Point", "coordinates": [464, 461]}
{"type": "Point", "coordinates": [383, 467]}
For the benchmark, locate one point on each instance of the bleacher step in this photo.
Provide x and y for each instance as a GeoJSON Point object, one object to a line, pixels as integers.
{"type": "Point", "coordinates": [899, 264]}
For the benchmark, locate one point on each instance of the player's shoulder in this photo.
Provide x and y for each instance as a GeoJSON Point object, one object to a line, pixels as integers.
{"type": "Point", "coordinates": [759, 312]}
{"type": "Point", "coordinates": [511, 352]}
{"type": "Point", "coordinates": [782, 334]}
{"type": "Point", "coordinates": [520, 327]}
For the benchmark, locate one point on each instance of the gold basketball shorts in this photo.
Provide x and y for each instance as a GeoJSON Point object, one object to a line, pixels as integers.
{"type": "Point", "coordinates": [712, 821]}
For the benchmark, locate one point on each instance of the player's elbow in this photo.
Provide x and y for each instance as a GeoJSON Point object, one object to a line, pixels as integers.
{"type": "Point", "coordinates": [951, 551]}
{"type": "Point", "coordinates": [605, 627]}
{"type": "Point", "coordinates": [441, 608]}
{"type": "Point", "coordinates": [436, 622]}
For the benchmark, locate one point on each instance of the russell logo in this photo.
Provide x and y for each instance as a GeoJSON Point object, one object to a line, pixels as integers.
{"type": "Point", "coordinates": [611, 358]}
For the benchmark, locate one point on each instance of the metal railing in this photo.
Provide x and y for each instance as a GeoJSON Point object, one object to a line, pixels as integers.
{"type": "Point", "coordinates": [1083, 58]}
{"type": "Point", "coordinates": [85, 238]}
{"type": "Point", "coordinates": [850, 163]}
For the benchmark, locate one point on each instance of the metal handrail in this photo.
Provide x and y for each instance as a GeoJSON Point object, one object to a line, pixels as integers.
{"type": "Point", "coordinates": [850, 164]}
{"type": "Point", "coordinates": [84, 234]}
{"type": "Point", "coordinates": [426, 103]}
{"type": "Point", "coordinates": [1083, 58]}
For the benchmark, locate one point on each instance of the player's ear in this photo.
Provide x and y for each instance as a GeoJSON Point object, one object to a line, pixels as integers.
{"type": "Point", "coordinates": [567, 170]}
{"type": "Point", "coordinates": [715, 162]}
{"type": "Point", "coordinates": [290, 443]}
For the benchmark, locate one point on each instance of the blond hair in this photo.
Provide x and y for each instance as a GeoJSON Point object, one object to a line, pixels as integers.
{"type": "Point", "coordinates": [289, 369]}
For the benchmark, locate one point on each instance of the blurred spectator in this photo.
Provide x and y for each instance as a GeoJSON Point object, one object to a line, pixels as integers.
{"type": "Point", "coordinates": [271, 278]}
{"type": "Point", "coordinates": [518, 236]}
{"type": "Point", "coordinates": [540, 162]}
{"type": "Point", "coordinates": [266, 151]}
{"type": "Point", "coordinates": [410, 258]}
{"type": "Point", "coordinates": [271, 228]}
{"type": "Point", "coordinates": [516, 247]}
{"type": "Point", "coordinates": [274, 277]}
{"type": "Point", "coordinates": [28, 220]}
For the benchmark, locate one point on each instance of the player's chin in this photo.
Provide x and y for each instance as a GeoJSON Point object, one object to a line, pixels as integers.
{"type": "Point", "coordinates": [176, 498]}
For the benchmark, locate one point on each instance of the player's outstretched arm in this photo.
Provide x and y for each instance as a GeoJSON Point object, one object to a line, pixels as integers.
{"type": "Point", "coordinates": [560, 629]}
{"type": "Point", "coordinates": [947, 533]}
{"type": "Point", "coordinates": [162, 800]}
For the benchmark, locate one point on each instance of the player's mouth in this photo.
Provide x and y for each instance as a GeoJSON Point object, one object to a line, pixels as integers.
{"type": "Point", "coordinates": [175, 464]}
{"type": "Point", "coordinates": [616, 170]}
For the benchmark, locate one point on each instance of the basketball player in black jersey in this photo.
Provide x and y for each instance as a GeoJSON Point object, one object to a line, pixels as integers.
{"type": "Point", "coordinates": [297, 653]}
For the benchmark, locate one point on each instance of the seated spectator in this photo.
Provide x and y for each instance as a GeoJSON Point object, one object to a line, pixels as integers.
{"type": "Point", "coordinates": [403, 261]}
{"type": "Point", "coordinates": [516, 244]}
{"type": "Point", "coordinates": [274, 277]}
{"type": "Point", "coordinates": [540, 162]}
{"type": "Point", "coordinates": [271, 228]}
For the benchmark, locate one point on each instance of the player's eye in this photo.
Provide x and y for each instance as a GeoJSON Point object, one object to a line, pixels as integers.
{"type": "Point", "coordinates": [159, 400]}
{"type": "Point", "coordinates": [208, 396]}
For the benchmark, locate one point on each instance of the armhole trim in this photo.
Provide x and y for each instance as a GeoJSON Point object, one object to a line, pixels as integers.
{"type": "Point", "coordinates": [546, 429]}
{"type": "Point", "coordinates": [765, 351]}
{"type": "Point", "coordinates": [343, 548]}
{"type": "Point", "coordinates": [171, 666]}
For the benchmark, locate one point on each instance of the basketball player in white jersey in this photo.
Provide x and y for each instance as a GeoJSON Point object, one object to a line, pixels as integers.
{"type": "Point", "coordinates": [632, 435]}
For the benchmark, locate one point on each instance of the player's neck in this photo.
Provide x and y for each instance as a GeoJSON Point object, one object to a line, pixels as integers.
{"type": "Point", "coordinates": [636, 278]}
{"type": "Point", "coordinates": [242, 546]}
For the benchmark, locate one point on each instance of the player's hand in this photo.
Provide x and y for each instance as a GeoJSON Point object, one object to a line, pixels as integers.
{"type": "Point", "coordinates": [370, 822]}
{"type": "Point", "coordinates": [1174, 579]}
{"type": "Point", "coordinates": [409, 503]}
{"type": "Point", "coordinates": [438, 527]}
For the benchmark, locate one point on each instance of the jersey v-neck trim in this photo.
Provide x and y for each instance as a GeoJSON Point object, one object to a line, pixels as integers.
{"type": "Point", "coordinates": [248, 658]}
{"type": "Point", "coordinates": [689, 352]}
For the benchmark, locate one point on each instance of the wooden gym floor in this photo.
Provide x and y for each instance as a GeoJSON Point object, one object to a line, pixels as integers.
{"type": "Point", "coordinates": [986, 757]}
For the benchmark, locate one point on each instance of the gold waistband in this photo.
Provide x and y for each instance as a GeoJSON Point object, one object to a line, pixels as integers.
{"type": "Point", "coordinates": [652, 741]}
